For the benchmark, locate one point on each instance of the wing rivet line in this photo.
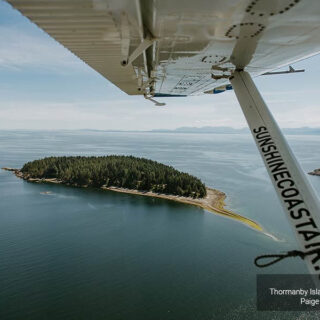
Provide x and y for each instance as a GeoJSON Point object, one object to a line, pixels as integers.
{"type": "Point", "coordinates": [252, 29]}
{"type": "Point", "coordinates": [254, 7]}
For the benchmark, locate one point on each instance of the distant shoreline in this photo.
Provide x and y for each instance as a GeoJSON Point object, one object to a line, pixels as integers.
{"type": "Point", "coordinates": [180, 130]}
{"type": "Point", "coordinates": [213, 202]}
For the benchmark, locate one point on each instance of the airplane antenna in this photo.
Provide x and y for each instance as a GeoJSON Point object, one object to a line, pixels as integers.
{"type": "Point", "coordinates": [291, 70]}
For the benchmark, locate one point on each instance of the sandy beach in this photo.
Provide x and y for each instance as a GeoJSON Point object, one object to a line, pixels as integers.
{"type": "Point", "coordinates": [213, 202]}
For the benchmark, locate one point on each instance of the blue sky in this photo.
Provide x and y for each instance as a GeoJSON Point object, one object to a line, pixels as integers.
{"type": "Point", "coordinates": [44, 86]}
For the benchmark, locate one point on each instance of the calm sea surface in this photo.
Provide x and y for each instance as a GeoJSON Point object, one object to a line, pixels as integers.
{"type": "Point", "coordinates": [86, 254]}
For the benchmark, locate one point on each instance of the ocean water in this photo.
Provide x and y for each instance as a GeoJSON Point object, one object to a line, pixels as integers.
{"type": "Point", "coordinates": [87, 254]}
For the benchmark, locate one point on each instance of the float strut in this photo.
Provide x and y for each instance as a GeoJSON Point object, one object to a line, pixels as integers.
{"type": "Point", "coordinates": [295, 192]}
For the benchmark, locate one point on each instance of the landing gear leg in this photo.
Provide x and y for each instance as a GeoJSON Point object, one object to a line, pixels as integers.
{"type": "Point", "coordinates": [296, 194]}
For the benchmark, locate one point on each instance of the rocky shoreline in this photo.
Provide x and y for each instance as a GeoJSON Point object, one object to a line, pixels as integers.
{"type": "Point", "coordinates": [213, 202]}
{"type": "Point", "coordinates": [315, 172]}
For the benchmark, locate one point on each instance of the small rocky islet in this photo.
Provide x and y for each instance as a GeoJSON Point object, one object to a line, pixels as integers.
{"type": "Point", "coordinates": [315, 172]}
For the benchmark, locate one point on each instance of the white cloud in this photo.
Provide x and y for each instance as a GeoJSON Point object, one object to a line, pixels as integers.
{"type": "Point", "coordinates": [133, 113]}
{"type": "Point", "coordinates": [136, 113]}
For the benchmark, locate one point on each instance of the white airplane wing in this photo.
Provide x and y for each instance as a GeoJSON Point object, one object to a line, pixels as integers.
{"type": "Point", "coordinates": [179, 47]}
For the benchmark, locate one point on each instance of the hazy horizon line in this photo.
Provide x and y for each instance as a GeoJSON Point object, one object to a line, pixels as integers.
{"type": "Point", "coordinates": [204, 129]}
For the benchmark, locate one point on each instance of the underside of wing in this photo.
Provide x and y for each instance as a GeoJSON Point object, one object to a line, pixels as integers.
{"type": "Point", "coordinates": [88, 29]}
{"type": "Point", "coordinates": [179, 47]}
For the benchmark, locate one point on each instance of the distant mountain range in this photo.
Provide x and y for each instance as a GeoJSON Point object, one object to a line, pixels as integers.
{"type": "Point", "coordinates": [204, 130]}
{"type": "Point", "coordinates": [217, 130]}
{"type": "Point", "coordinates": [230, 130]}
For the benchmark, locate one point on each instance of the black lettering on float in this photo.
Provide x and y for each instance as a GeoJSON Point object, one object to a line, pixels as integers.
{"type": "Point", "coordinates": [308, 235]}
{"type": "Point", "coordinates": [260, 129]}
{"type": "Point", "coordinates": [272, 155]}
{"type": "Point", "coordinates": [310, 222]}
{"type": "Point", "coordinates": [314, 260]}
{"type": "Point", "coordinates": [312, 245]}
{"type": "Point", "coordinates": [289, 193]}
{"type": "Point", "coordinates": [281, 183]}
{"type": "Point", "coordinates": [277, 167]}
{"type": "Point", "coordinates": [282, 174]}
{"type": "Point", "coordinates": [263, 135]}
{"type": "Point", "coordinates": [264, 141]}
{"type": "Point", "coordinates": [304, 211]}
{"type": "Point", "coordinates": [292, 203]}
{"type": "Point", "coordinates": [268, 148]}
{"type": "Point", "coordinates": [296, 217]}
{"type": "Point", "coordinates": [277, 159]}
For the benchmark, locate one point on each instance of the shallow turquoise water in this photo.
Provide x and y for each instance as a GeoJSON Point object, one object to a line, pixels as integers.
{"type": "Point", "coordinates": [86, 254]}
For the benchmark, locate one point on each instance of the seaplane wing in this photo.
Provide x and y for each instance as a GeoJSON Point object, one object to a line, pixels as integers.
{"type": "Point", "coordinates": [179, 47]}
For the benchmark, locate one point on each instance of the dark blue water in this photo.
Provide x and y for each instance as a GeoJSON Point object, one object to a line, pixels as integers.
{"type": "Point", "coordinates": [86, 254]}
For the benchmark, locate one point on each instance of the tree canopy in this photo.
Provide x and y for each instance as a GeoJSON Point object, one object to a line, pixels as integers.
{"type": "Point", "coordinates": [117, 171]}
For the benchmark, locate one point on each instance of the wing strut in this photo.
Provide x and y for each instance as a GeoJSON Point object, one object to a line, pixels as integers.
{"type": "Point", "coordinates": [145, 44]}
{"type": "Point", "coordinates": [295, 192]}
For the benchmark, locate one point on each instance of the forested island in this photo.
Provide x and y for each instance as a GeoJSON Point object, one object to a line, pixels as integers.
{"type": "Point", "coordinates": [116, 171]}
{"type": "Point", "coordinates": [128, 174]}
